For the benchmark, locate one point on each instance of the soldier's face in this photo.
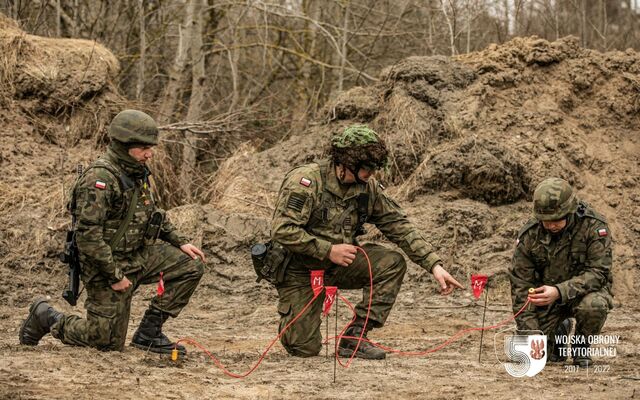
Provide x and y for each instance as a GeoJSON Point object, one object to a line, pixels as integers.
{"type": "Point", "coordinates": [555, 226]}
{"type": "Point", "coordinates": [141, 154]}
{"type": "Point", "coordinates": [365, 173]}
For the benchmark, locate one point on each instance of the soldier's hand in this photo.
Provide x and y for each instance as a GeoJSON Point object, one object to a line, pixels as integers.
{"type": "Point", "coordinates": [544, 295]}
{"type": "Point", "coordinates": [121, 286]}
{"type": "Point", "coordinates": [445, 280]}
{"type": "Point", "coordinates": [343, 254]}
{"type": "Point", "coordinates": [192, 251]}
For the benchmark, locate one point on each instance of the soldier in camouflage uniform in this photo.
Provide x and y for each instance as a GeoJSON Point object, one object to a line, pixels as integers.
{"type": "Point", "coordinates": [316, 219]}
{"type": "Point", "coordinates": [564, 253]}
{"type": "Point", "coordinates": [114, 189]}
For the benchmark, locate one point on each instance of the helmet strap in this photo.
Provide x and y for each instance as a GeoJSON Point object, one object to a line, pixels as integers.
{"type": "Point", "coordinates": [355, 174]}
{"type": "Point", "coordinates": [343, 172]}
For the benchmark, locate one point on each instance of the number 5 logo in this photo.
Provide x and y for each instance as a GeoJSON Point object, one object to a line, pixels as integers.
{"type": "Point", "coordinates": [526, 354]}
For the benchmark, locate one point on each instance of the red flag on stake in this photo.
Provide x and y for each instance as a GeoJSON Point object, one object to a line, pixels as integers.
{"type": "Point", "coordinates": [478, 282]}
{"type": "Point", "coordinates": [329, 298]}
{"type": "Point", "coordinates": [317, 281]}
{"type": "Point", "coordinates": [161, 285]}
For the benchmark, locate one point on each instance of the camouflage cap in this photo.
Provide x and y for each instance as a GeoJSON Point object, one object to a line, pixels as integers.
{"type": "Point", "coordinates": [359, 146]}
{"type": "Point", "coordinates": [553, 199]}
{"type": "Point", "coordinates": [355, 135]}
{"type": "Point", "coordinates": [134, 127]}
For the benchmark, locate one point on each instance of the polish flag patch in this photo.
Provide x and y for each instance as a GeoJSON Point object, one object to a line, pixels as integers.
{"type": "Point", "coordinates": [101, 185]}
{"type": "Point", "coordinates": [305, 182]}
{"type": "Point", "coordinates": [602, 232]}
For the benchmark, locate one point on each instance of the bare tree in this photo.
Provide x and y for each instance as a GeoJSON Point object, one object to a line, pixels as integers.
{"type": "Point", "coordinates": [177, 70]}
{"type": "Point", "coordinates": [143, 48]}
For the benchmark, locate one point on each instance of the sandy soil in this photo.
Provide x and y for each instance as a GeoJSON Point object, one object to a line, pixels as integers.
{"type": "Point", "coordinates": [236, 325]}
{"type": "Point", "coordinates": [471, 137]}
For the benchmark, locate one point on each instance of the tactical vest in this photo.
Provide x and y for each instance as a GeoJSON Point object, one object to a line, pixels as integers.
{"type": "Point", "coordinates": [577, 247]}
{"type": "Point", "coordinates": [133, 236]}
{"type": "Point", "coordinates": [347, 223]}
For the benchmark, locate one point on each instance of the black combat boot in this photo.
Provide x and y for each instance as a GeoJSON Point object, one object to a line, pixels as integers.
{"type": "Point", "coordinates": [366, 350]}
{"type": "Point", "coordinates": [559, 350]}
{"type": "Point", "coordinates": [39, 322]}
{"type": "Point", "coordinates": [580, 353]}
{"type": "Point", "coordinates": [149, 335]}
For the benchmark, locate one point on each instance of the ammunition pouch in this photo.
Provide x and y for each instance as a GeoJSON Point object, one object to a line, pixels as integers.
{"type": "Point", "coordinates": [270, 261]}
{"type": "Point", "coordinates": [154, 227]}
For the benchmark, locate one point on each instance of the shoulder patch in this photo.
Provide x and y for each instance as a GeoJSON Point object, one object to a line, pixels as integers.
{"type": "Point", "coordinates": [296, 201]}
{"type": "Point", "coordinates": [305, 182]}
{"type": "Point", "coordinates": [602, 232]}
{"type": "Point", "coordinates": [101, 185]}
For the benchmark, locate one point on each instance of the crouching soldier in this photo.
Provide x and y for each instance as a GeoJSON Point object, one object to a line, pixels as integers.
{"type": "Point", "coordinates": [564, 253]}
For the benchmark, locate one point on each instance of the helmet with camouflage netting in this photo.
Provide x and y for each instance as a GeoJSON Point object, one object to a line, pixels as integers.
{"type": "Point", "coordinates": [134, 127]}
{"type": "Point", "coordinates": [359, 146]}
{"type": "Point", "coordinates": [553, 199]}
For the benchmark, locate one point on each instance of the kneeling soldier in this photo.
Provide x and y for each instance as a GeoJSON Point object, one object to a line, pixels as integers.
{"type": "Point", "coordinates": [565, 254]}
{"type": "Point", "coordinates": [116, 230]}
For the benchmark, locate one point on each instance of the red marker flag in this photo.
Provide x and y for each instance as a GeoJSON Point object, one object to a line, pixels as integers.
{"type": "Point", "coordinates": [329, 298]}
{"type": "Point", "coordinates": [317, 281]}
{"type": "Point", "coordinates": [478, 282]}
{"type": "Point", "coordinates": [160, 288]}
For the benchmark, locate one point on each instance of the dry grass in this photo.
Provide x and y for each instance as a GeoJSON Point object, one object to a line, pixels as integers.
{"type": "Point", "coordinates": [233, 189]}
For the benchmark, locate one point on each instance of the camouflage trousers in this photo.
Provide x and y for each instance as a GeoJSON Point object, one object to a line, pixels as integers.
{"type": "Point", "coordinates": [303, 338]}
{"type": "Point", "coordinates": [590, 312]}
{"type": "Point", "coordinates": [105, 326]}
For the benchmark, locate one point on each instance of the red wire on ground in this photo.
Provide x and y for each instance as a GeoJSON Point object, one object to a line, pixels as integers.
{"type": "Point", "coordinates": [366, 320]}
{"type": "Point", "coordinates": [340, 336]}
{"type": "Point", "coordinates": [264, 354]}
{"type": "Point", "coordinates": [452, 339]}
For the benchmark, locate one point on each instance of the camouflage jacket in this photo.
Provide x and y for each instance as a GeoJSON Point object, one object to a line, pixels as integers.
{"type": "Point", "coordinates": [99, 202]}
{"type": "Point", "coordinates": [577, 261]}
{"type": "Point", "coordinates": [315, 211]}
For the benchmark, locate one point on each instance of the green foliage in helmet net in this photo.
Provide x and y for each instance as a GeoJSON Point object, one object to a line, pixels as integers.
{"type": "Point", "coordinates": [359, 146]}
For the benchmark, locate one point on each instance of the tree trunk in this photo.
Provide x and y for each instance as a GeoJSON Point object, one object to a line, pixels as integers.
{"type": "Point", "coordinates": [233, 58]}
{"type": "Point", "coordinates": [194, 113]}
{"type": "Point", "coordinates": [507, 20]}
{"type": "Point", "coordinates": [452, 36]}
{"type": "Point", "coordinates": [177, 70]}
{"type": "Point", "coordinates": [143, 49]}
{"type": "Point", "coordinates": [469, 26]}
{"type": "Point", "coordinates": [305, 85]}
{"type": "Point", "coordinates": [343, 44]}
{"type": "Point", "coordinates": [58, 19]}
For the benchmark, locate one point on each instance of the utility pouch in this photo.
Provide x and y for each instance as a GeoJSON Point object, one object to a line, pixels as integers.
{"type": "Point", "coordinates": [270, 261]}
{"type": "Point", "coordinates": [153, 228]}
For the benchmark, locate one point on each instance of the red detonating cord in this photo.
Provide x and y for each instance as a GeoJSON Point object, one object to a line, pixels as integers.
{"type": "Point", "coordinates": [341, 335]}
{"type": "Point", "coordinates": [264, 354]}
{"type": "Point", "coordinates": [452, 339]}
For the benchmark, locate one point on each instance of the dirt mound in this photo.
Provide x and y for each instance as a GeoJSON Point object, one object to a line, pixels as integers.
{"type": "Point", "coordinates": [56, 98]}
{"type": "Point", "coordinates": [479, 169]}
{"type": "Point", "coordinates": [484, 129]}
{"type": "Point", "coordinates": [53, 73]}
{"type": "Point", "coordinates": [67, 79]}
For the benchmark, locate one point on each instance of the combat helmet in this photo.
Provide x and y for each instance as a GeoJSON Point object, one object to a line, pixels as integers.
{"type": "Point", "coordinates": [359, 146]}
{"type": "Point", "coordinates": [134, 127]}
{"type": "Point", "coordinates": [553, 199]}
